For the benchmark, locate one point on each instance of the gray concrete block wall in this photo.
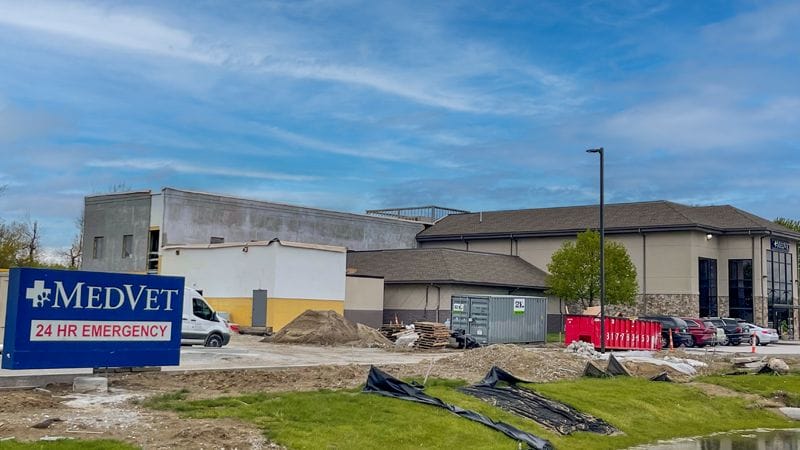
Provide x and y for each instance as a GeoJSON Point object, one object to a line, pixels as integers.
{"type": "Point", "coordinates": [113, 216]}
{"type": "Point", "coordinates": [193, 218]}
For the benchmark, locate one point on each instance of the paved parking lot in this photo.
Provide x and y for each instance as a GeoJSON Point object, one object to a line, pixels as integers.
{"type": "Point", "coordinates": [792, 349]}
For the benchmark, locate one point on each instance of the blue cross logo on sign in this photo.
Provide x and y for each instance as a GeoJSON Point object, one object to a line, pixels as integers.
{"type": "Point", "coordinates": [38, 294]}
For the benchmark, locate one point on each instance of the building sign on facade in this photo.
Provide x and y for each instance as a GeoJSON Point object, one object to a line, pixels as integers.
{"type": "Point", "coordinates": [779, 245]}
{"type": "Point", "coordinates": [64, 319]}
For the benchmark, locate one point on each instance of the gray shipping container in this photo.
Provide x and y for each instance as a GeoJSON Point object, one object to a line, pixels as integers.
{"type": "Point", "coordinates": [496, 319]}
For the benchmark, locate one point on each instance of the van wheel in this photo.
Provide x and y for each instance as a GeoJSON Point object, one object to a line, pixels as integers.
{"type": "Point", "coordinates": [214, 340]}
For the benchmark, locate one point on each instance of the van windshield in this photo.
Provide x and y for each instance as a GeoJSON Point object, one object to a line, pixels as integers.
{"type": "Point", "coordinates": [201, 309]}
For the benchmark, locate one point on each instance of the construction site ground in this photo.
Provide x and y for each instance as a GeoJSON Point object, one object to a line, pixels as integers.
{"type": "Point", "coordinates": [247, 366]}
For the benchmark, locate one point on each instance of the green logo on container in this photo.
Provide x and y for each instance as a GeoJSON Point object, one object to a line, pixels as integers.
{"type": "Point", "coordinates": [519, 306]}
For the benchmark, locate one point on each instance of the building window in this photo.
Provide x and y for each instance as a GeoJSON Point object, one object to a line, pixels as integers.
{"type": "Point", "coordinates": [708, 287]}
{"type": "Point", "coordinates": [152, 254]}
{"type": "Point", "coordinates": [740, 288]}
{"type": "Point", "coordinates": [97, 249]}
{"type": "Point", "coordinates": [127, 245]}
{"type": "Point", "coordinates": [217, 240]}
{"type": "Point", "coordinates": [779, 289]}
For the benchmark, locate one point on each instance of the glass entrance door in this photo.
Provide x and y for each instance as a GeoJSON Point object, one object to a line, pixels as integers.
{"type": "Point", "coordinates": [708, 287]}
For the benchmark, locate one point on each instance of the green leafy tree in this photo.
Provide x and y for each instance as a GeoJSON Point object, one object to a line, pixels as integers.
{"type": "Point", "coordinates": [791, 224]}
{"type": "Point", "coordinates": [12, 244]}
{"type": "Point", "coordinates": [575, 271]}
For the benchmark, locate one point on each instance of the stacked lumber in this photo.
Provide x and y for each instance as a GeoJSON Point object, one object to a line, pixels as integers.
{"type": "Point", "coordinates": [431, 335]}
{"type": "Point", "coordinates": [391, 330]}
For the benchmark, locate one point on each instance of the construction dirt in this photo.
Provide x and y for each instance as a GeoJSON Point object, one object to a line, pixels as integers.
{"type": "Point", "coordinates": [120, 414]}
{"type": "Point", "coordinates": [328, 328]}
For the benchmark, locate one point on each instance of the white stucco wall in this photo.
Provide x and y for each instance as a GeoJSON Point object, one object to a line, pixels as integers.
{"type": "Point", "coordinates": [156, 210]}
{"type": "Point", "coordinates": [308, 273]}
{"type": "Point", "coordinates": [284, 271]}
{"type": "Point", "coordinates": [222, 272]}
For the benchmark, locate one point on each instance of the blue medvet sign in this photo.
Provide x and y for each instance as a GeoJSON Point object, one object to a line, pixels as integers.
{"type": "Point", "coordinates": [779, 245]}
{"type": "Point", "coordinates": [64, 318]}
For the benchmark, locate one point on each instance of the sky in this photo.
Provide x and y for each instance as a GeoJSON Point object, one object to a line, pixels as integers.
{"type": "Point", "coordinates": [351, 105]}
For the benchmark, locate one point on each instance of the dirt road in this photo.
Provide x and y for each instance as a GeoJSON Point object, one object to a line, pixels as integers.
{"type": "Point", "coordinates": [120, 415]}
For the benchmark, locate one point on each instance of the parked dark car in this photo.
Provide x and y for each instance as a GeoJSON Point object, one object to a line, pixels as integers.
{"type": "Point", "coordinates": [703, 332]}
{"type": "Point", "coordinates": [735, 334]}
{"type": "Point", "coordinates": [675, 326]}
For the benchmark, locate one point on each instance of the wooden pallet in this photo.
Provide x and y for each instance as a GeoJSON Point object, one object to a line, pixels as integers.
{"type": "Point", "coordinates": [431, 335]}
{"type": "Point", "coordinates": [389, 330]}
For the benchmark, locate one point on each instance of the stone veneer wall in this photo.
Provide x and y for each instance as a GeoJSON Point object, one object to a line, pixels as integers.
{"type": "Point", "coordinates": [723, 306]}
{"type": "Point", "coordinates": [760, 312]}
{"type": "Point", "coordinates": [682, 305]}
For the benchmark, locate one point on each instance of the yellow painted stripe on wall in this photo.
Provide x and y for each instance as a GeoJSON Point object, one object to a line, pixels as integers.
{"type": "Point", "coordinates": [240, 308]}
{"type": "Point", "coordinates": [281, 311]}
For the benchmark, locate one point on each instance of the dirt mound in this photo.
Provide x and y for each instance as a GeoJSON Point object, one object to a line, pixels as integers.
{"type": "Point", "coordinates": [328, 328]}
{"type": "Point", "coordinates": [372, 337]}
{"type": "Point", "coordinates": [14, 401]}
{"type": "Point", "coordinates": [539, 365]}
{"type": "Point", "coordinates": [210, 384]}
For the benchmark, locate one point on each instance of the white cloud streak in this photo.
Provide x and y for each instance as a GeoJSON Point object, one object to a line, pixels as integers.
{"type": "Point", "coordinates": [146, 164]}
{"type": "Point", "coordinates": [104, 26]}
{"type": "Point", "coordinates": [440, 84]}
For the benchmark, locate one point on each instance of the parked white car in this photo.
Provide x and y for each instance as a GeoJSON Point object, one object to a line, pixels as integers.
{"type": "Point", "coordinates": [719, 337]}
{"type": "Point", "coordinates": [764, 336]}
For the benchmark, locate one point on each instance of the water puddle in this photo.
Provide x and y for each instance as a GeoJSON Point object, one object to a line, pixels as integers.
{"type": "Point", "coordinates": [760, 439]}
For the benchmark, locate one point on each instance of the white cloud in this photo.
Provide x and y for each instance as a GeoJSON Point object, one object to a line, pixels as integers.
{"type": "Point", "coordinates": [439, 81]}
{"type": "Point", "coordinates": [104, 26]}
{"type": "Point", "coordinates": [182, 167]}
{"type": "Point", "coordinates": [322, 146]}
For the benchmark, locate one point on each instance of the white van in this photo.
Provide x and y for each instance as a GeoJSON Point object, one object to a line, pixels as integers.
{"type": "Point", "coordinates": [201, 325]}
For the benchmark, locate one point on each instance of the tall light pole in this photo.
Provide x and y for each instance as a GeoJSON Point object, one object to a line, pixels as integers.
{"type": "Point", "coordinates": [602, 257]}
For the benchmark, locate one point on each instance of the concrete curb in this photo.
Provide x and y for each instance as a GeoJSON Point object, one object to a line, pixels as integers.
{"type": "Point", "coordinates": [34, 381]}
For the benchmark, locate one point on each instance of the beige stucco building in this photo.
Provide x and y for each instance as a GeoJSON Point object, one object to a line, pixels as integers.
{"type": "Point", "coordinates": [690, 260]}
{"type": "Point", "coordinates": [418, 284]}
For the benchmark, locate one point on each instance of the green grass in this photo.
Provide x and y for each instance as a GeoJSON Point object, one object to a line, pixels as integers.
{"type": "Point", "coordinates": [555, 338]}
{"type": "Point", "coordinates": [786, 388]}
{"type": "Point", "coordinates": [645, 411]}
{"type": "Point", "coordinates": [70, 444]}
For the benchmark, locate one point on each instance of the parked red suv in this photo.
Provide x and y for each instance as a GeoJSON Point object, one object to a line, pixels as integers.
{"type": "Point", "coordinates": [702, 334]}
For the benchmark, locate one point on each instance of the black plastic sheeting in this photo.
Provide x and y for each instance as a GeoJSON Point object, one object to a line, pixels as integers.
{"type": "Point", "coordinates": [464, 340]}
{"type": "Point", "coordinates": [615, 367]}
{"type": "Point", "coordinates": [663, 376]}
{"type": "Point", "coordinates": [526, 403]}
{"type": "Point", "coordinates": [381, 383]}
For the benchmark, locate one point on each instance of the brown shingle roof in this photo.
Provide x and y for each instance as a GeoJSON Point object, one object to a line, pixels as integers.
{"type": "Point", "coordinates": [439, 265]}
{"type": "Point", "coordinates": [620, 217]}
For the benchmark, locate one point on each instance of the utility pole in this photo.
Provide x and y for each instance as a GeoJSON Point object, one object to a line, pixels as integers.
{"type": "Point", "coordinates": [602, 256]}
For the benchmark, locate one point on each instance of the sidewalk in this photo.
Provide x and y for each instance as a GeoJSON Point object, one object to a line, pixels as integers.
{"type": "Point", "coordinates": [782, 342]}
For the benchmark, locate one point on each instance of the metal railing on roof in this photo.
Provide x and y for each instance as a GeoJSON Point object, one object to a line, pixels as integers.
{"type": "Point", "coordinates": [424, 214]}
